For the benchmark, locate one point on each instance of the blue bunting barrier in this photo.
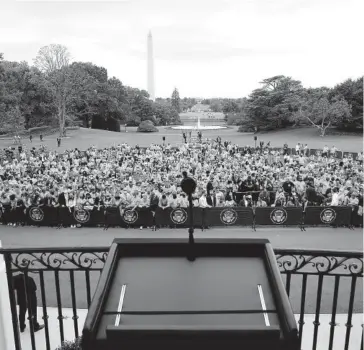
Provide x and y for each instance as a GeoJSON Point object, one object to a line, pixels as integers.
{"type": "Point", "coordinates": [287, 216]}
{"type": "Point", "coordinates": [337, 216]}
{"type": "Point", "coordinates": [179, 217]}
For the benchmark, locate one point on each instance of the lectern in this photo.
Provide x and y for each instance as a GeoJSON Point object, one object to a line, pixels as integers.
{"type": "Point", "coordinates": [150, 296]}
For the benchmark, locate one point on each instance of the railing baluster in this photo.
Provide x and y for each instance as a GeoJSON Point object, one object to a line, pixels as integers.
{"type": "Point", "coordinates": [74, 307]}
{"type": "Point", "coordinates": [31, 315]}
{"type": "Point", "coordinates": [350, 312]}
{"type": "Point", "coordinates": [40, 260]}
{"type": "Point", "coordinates": [333, 313]}
{"type": "Point", "coordinates": [59, 304]}
{"type": "Point", "coordinates": [288, 283]}
{"type": "Point", "coordinates": [301, 321]}
{"type": "Point", "coordinates": [317, 314]}
{"type": "Point", "coordinates": [14, 313]}
{"type": "Point", "coordinates": [44, 304]}
{"type": "Point", "coordinates": [88, 289]}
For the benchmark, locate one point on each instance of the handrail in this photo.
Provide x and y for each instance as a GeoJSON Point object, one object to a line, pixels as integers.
{"type": "Point", "coordinates": [91, 249]}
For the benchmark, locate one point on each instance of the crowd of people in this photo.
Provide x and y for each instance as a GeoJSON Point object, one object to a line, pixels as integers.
{"type": "Point", "coordinates": [227, 175]}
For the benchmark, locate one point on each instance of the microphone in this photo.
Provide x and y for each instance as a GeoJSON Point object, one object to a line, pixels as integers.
{"type": "Point", "coordinates": [188, 186]}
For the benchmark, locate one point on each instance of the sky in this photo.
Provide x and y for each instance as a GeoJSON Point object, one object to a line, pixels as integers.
{"type": "Point", "coordinates": [204, 48]}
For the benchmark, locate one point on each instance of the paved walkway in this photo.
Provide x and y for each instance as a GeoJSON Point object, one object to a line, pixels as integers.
{"type": "Point", "coordinates": [323, 335]}
{"type": "Point", "coordinates": [280, 237]}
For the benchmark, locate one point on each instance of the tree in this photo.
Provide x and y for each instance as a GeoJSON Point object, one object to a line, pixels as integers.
{"type": "Point", "coordinates": [352, 92]}
{"type": "Point", "coordinates": [216, 107]}
{"type": "Point", "coordinates": [321, 113]}
{"type": "Point", "coordinates": [270, 106]}
{"type": "Point", "coordinates": [230, 106]}
{"type": "Point", "coordinates": [52, 58]}
{"type": "Point", "coordinates": [176, 101]}
{"type": "Point", "coordinates": [37, 101]}
{"type": "Point", "coordinates": [11, 90]}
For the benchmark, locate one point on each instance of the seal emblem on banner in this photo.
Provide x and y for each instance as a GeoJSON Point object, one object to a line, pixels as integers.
{"type": "Point", "coordinates": [228, 216]}
{"type": "Point", "coordinates": [178, 216]}
{"type": "Point", "coordinates": [278, 216]}
{"type": "Point", "coordinates": [130, 216]}
{"type": "Point", "coordinates": [81, 215]}
{"type": "Point", "coordinates": [327, 216]}
{"type": "Point", "coordinates": [36, 214]}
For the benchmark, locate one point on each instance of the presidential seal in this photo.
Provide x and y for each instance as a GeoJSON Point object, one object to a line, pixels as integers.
{"type": "Point", "coordinates": [36, 214]}
{"type": "Point", "coordinates": [81, 215]}
{"type": "Point", "coordinates": [130, 216]}
{"type": "Point", "coordinates": [278, 216]}
{"type": "Point", "coordinates": [178, 216]}
{"type": "Point", "coordinates": [328, 216]}
{"type": "Point", "coordinates": [228, 216]}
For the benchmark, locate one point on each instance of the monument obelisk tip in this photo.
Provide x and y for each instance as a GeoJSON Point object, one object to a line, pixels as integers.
{"type": "Point", "coordinates": [150, 75]}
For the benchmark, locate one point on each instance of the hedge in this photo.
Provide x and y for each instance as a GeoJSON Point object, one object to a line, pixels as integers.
{"type": "Point", "coordinates": [147, 126]}
{"type": "Point", "coordinates": [71, 345]}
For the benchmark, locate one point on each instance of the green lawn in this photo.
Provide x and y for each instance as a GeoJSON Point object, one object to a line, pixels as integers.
{"type": "Point", "coordinates": [84, 138]}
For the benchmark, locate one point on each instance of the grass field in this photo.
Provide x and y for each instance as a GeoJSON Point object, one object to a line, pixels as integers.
{"type": "Point", "coordinates": [84, 138]}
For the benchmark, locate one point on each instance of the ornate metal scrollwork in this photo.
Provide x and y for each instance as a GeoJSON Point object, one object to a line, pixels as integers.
{"type": "Point", "coordinates": [320, 264]}
{"type": "Point", "coordinates": [288, 262]}
{"type": "Point", "coordinates": [59, 260]}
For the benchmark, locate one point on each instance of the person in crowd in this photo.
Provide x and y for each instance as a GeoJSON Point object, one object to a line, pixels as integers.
{"type": "Point", "coordinates": [325, 151]}
{"type": "Point", "coordinates": [298, 148]}
{"type": "Point", "coordinates": [305, 150]}
{"type": "Point", "coordinates": [285, 149]}
{"type": "Point", "coordinates": [261, 203]}
{"type": "Point", "coordinates": [333, 151]}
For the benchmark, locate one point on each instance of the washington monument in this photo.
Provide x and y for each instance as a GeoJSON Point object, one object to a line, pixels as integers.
{"type": "Point", "coordinates": [151, 87]}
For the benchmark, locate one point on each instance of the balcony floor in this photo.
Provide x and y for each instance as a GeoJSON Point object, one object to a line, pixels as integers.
{"type": "Point", "coordinates": [322, 344]}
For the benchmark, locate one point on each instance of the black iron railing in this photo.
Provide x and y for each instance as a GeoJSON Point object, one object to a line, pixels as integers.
{"type": "Point", "coordinates": [317, 282]}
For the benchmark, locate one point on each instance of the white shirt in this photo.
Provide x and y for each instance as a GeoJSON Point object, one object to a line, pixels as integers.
{"type": "Point", "coordinates": [203, 202]}
{"type": "Point", "coordinates": [335, 199]}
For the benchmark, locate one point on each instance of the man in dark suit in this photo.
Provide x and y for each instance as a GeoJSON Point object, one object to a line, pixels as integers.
{"type": "Point", "coordinates": [211, 199]}
{"type": "Point", "coordinates": [19, 282]}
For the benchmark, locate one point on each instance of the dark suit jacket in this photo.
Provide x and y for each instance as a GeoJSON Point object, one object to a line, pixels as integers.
{"type": "Point", "coordinates": [19, 286]}
{"type": "Point", "coordinates": [211, 200]}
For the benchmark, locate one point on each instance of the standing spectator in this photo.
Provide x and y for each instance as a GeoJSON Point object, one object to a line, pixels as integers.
{"type": "Point", "coordinates": [302, 150]}
{"type": "Point", "coordinates": [264, 195]}
{"type": "Point", "coordinates": [333, 151]}
{"type": "Point", "coordinates": [211, 199]}
{"type": "Point", "coordinates": [26, 288]}
{"type": "Point", "coordinates": [203, 205]}
{"type": "Point", "coordinates": [41, 137]}
{"type": "Point", "coordinates": [305, 150]}
{"type": "Point", "coordinates": [285, 149]}
{"type": "Point", "coordinates": [31, 138]}
{"type": "Point", "coordinates": [298, 148]}
{"type": "Point", "coordinates": [288, 185]}
{"type": "Point", "coordinates": [261, 203]}
{"type": "Point", "coordinates": [353, 201]}
{"type": "Point", "coordinates": [58, 141]}
{"type": "Point", "coordinates": [325, 151]}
